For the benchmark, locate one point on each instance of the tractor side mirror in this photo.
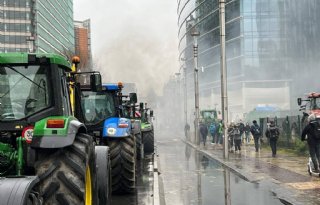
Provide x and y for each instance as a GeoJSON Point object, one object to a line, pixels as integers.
{"type": "Point", "coordinates": [141, 106]}
{"type": "Point", "coordinates": [299, 101]}
{"type": "Point", "coordinates": [133, 98]}
{"type": "Point", "coordinates": [151, 113]}
{"type": "Point", "coordinates": [95, 82]}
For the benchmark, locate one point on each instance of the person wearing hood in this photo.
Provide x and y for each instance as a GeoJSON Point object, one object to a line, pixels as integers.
{"type": "Point", "coordinates": [256, 133]}
{"type": "Point", "coordinates": [311, 133]}
{"type": "Point", "coordinates": [272, 133]}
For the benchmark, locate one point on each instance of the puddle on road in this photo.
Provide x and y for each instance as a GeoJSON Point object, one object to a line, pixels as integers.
{"type": "Point", "coordinates": [191, 178]}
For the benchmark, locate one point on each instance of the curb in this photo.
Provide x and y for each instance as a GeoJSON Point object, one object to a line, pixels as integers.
{"type": "Point", "coordinates": [283, 199]}
{"type": "Point", "coordinates": [156, 190]}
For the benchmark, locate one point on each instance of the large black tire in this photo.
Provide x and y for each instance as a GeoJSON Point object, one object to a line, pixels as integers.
{"type": "Point", "coordinates": [139, 146]}
{"type": "Point", "coordinates": [64, 173]}
{"type": "Point", "coordinates": [148, 141]}
{"type": "Point", "coordinates": [103, 170]}
{"type": "Point", "coordinates": [123, 164]}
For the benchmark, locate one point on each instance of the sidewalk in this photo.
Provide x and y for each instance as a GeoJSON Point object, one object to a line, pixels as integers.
{"type": "Point", "coordinates": [287, 173]}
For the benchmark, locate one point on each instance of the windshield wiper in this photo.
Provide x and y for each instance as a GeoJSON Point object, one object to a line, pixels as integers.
{"type": "Point", "coordinates": [15, 70]}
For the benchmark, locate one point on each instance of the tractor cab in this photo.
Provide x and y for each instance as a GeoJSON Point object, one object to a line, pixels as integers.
{"type": "Point", "coordinates": [209, 116]}
{"type": "Point", "coordinates": [312, 105]}
{"type": "Point", "coordinates": [27, 88]}
{"type": "Point", "coordinates": [102, 111]}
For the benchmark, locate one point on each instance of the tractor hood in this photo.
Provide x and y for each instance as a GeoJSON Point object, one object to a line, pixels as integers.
{"type": "Point", "coordinates": [316, 112]}
{"type": "Point", "coordinates": [117, 127]}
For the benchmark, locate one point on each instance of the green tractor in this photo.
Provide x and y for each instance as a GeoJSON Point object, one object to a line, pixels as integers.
{"type": "Point", "coordinates": [46, 157]}
{"type": "Point", "coordinates": [147, 128]}
{"type": "Point", "coordinates": [209, 116]}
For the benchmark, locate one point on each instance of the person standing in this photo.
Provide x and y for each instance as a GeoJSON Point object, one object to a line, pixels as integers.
{"type": "Point", "coordinates": [241, 128]}
{"type": "Point", "coordinates": [212, 130]}
{"type": "Point", "coordinates": [203, 132]}
{"type": "Point", "coordinates": [237, 137]}
{"type": "Point", "coordinates": [272, 133]}
{"type": "Point", "coordinates": [220, 132]}
{"type": "Point", "coordinates": [247, 133]}
{"type": "Point", "coordinates": [256, 133]}
{"type": "Point", "coordinates": [311, 133]}
{"type": "Point", "coordinates": [187, 130]}
{"type": "Point", "coordinates": [231, 136]}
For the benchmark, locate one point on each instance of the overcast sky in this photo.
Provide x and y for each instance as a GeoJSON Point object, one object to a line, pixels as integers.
{"type": "Point", "coordinates": [133, 41]}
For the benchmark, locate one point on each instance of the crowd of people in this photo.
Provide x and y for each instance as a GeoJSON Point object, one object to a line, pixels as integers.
{"type": "Point", "coordinates": [239, 134]}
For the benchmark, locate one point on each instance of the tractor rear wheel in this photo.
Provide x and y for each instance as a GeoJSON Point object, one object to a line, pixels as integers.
{"type": "Point", "coordinates": [67, 175]}
{"type": "Point", "coordinates": [148, 140]}
{"type": "Point", "coordinates": [123, 164]}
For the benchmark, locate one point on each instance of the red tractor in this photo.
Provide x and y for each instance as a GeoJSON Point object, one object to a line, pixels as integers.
{"type": "Point", "coordinates": [311, 107]}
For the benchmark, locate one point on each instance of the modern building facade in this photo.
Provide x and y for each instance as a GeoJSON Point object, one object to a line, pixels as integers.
{"type": "Point", "coordinates": [83, 44]}
{"type": "Point", "coordinates": [271, 48]}
{"type": "Point", "coordinates": [37, 26]}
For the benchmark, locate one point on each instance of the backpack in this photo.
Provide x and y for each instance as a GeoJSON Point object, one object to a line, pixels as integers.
{"type": "Point", "coordinates": [212, 128]}
{"type": "Point", "coordinates": [273, 132]}
{"type": "Point", "coordinates": [236, 131]}
{"type": "Point", "coordinates": [256, 130]}
{"type": "Point", "coordinates": [316, 128]}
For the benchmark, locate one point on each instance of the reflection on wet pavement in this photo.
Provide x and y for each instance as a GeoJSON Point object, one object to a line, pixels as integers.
{"type": "Point", "coordinates": [144, 192]}
{"type": "Point", "coordinates": [191, 178]}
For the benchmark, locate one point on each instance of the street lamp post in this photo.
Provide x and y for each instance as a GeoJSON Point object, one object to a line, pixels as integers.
{"type": "Point", "coordinates": [178, 94]}
{"type": "Point", "coordinates": [224, 96]}
{"type": "Point", "coordinates": [185, 96]}
{"type": "Point", "coordinates": [185, 91]}
{"type": "Point", "coordinates": [195, 35]}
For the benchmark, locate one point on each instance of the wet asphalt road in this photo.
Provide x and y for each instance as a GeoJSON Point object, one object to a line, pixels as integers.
{"type": "Point", "coordinates": [190, 177]}
{"type": "Point", "coordinates": [144, 191]}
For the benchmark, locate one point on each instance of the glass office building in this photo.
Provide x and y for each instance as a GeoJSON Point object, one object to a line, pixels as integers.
{"type": "Point", "coordinates": [270, 47]}
{"type": "Point", "coordinates": [36, 26]}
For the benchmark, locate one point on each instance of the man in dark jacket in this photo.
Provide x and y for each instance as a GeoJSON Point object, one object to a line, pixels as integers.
{"type": "Point", "coordinates": [256, 133]}
{"type": "Point", "coordinates": [311, 133]}
{"type": "Point", "coordinates": [203, 132]}
{"type": "Point", "coordinates": [272, 133]}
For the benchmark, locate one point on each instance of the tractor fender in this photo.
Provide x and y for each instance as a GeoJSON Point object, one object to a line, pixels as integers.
{"type": "Point", "coordinates": [112, 128]}
{"type": "Point", "coordinates": [15, 191]}
{"type": "Point", "coordinates": [145, 127]}
{"type": "Point", "coordinates": [64, 139]}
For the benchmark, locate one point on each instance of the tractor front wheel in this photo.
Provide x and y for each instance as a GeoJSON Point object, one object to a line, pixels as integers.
{"type": "Point", "coordinates": [67, 175]}
{"type": "Point", "coordinates": [123, 164]}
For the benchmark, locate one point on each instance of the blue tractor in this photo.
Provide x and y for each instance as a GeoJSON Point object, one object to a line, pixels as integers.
{"type": "Point", "coordinates": [105, 118]}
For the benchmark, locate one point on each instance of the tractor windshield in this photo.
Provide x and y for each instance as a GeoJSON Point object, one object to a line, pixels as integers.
{"type": "Point", "coordinates": [97, 106]}
{"type": "Point", "coordinates": [209, 114]}
{"type": "Point", "coordinates": [24, 91]}
{"type": "Point", "coordinates": [314, 103]}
